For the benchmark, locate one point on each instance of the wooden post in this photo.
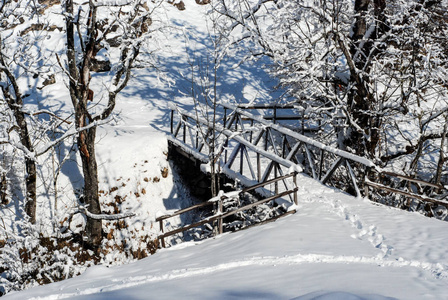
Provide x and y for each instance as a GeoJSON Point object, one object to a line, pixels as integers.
{"type": "Point", "coordinates": [294, 178]}
{"type": "Point", "coordinates": [171, 123]}
{"type": "Point", "coordinates": [266, 140]}
{"type": "Point", "coordinates": [275, 176]}
{"type": "Point", "coordinates": [251, 130]}
{"type": "Point", "coordinates": [225, 117]}
{"type": "Point", "coordinates": [161, 230]}
{"type": "Point", "coordinates": [275, 114]}
{"type": "Point", "coordinates": [197, 136]}
{"type": "Point", "coordinates": [321, 163]}
{"type": "Point", "coordinates": [185, 128]}
{"type": "Point", "coordinates": [220, 218]}
{"type": "Point", "coordinates": [284, 145]}
{"type": "Point", "coordinates": [225, 150]}
{"type": "Point", "coordinates": [366, 177]}
{"type": "Point", "coordinates": [236, 121]}
{"type": "Point", "coordinates": [241, 158]}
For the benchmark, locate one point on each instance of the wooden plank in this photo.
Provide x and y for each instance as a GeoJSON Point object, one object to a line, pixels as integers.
{"type": "Point", "coordinates": [258, 138]}
{"type": "Point", "coordinates": [179, 124]}
{"type": "Point", "coordinates": [294, 180]}
{"type": "Point", "coordinates": [311, 161]}
{"type": "Point", "coordinates": [353, 177]}
{"type": "Point", "coordinates": [332, 169]}
{"type": "Point", "coordinates": [241, 159]}
{"type": "Point", "coordinates": [268, 171]}
{"type": "Point", "coordinates": [225, 117]}
{"type": "Point", "coordinates": [283, 145]}
{"type": "Point", "coordinates": [251, 131]}
{"type": "Point", "coordinates": [187, 227]}
{"type": "Point", "coordinates": [229, 123]}
{"type": "Point", "coordinates": [411, 195]}
{"type": "Point", "coordinates": [184, 210]}
{"type": "Point", "coordinates": [273, 143]}
{"type": "Point", "coordinates": [321, 166]}
{"type": "Point", "coordinates": [273, 219]}
{"type": "Point", "coordinates": [233, 155]}
{"type": "Point", "coordinates": [265, 106]}
{"type": "Point", "coordinates": [275, 176]}
{"type": "Point", "coordinates": [293, 152]}
{"type": "Point", "coordinates": [220, 221]}
{"type": "Point", "coordinates": [246, 207]}
{"type": "Point", "coordinates": [184, 129]}
{"type": "Point", "coordinates": [253, 187]}
{"type": "Point", "coordinates": [280, 118]}
{"type": "Point", "coordinates": [192, 137]}
{"type": "Point", "coordinates": [172, 122]}
{"type": "Point", "coordinates": [249, 163]}
{"type": "Point", "coordinates": [407, 178]}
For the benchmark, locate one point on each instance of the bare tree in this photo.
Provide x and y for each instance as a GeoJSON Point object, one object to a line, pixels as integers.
{"type": "Point", "coordinates": [373, 71]}
{"type": "Point", "coordinates": [13, 97]}
{"type": "Point", "coordinates": [121, 25]}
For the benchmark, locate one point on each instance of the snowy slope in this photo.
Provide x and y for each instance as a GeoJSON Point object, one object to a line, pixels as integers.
{"type": "Point", "coordinates": [335, 246]}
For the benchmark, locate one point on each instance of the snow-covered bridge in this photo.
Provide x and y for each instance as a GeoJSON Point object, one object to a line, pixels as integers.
{"type": "Point", "coordinates": [252, 150]}
{"type": "Point", "coordinates": [263, 157]}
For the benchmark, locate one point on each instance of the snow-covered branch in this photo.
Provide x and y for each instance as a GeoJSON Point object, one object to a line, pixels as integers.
{"type": "Point", "coordinates": [72, 131]}
{"type": "Point", "coordinates": [105, 217]}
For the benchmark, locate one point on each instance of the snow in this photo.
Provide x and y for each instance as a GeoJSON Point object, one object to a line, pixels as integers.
{"type": "Point", "coordinates": [335, 246]}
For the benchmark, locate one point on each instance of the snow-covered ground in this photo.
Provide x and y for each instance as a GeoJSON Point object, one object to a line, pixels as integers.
{"type": "Point", "coordinates": [334, 247]}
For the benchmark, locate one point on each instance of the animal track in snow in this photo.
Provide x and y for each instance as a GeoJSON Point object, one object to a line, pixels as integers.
{"type": "Point", "coordinates": [366, 232]}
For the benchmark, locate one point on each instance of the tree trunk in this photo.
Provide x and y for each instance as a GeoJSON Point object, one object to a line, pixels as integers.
{"type": "Point", "coordinates": [86, 146]}
{"type": "Point", "coordinates": [79, 93]}
{"type": "Point", "coordinates": [358, 98]}
{"type": "Point", "coordinates": [361, 102]}
{"type": "Point", "coordinates": [15, 104]}
{"type": "Point", "coordinates": [442, 157]}
{"type": "Point", "coordinates": [30, 165]}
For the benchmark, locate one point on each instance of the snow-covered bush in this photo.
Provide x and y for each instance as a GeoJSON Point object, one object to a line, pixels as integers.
{"type": "Point", "coordinates": [28, 259]}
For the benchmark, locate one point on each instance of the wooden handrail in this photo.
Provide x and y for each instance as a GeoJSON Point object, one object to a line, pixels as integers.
{"type": "Point", "coordinates": [265, 106]}
{"type": "Point", "coordinates": [220, 217]}
{"type": "Point", "coordinates": [184, 210]}
{"type": "Point", "coordinates": [411, 195]}
{"type": "Point", "coordinates": [185, 228]}
{"type": "Point", "coordinates": [256, 186]}
{"type": "Point", "coordinates": [415, 180]}
{"type": "Point", "coordinates": [246, 207]}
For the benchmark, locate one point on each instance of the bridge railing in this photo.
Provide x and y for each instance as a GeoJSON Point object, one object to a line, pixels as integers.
{"type": "Point", "coordinates": [283, 114]}
{"type": "Point", "coordinates": [220, 213]}
{"type": "Point", "coordinates": [258, 150]}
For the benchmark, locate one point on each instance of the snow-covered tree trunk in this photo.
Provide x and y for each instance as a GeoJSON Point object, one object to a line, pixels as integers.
{"type": "Point", "coordinates": [91, 34]}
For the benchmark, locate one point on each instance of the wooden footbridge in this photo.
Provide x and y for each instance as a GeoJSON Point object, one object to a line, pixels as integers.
{"type": "Point", "coordinates": [263, 156]}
